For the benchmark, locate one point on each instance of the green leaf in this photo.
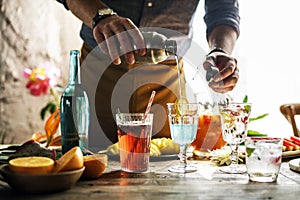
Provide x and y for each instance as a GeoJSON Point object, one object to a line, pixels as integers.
{"type": "Point", "coordinates": [258, 117]}
{"type": "Point", "coordinates": [249, 151]}
{"type": "Point", "coordinates": [3, 135]}
{"type": "Point", "coordinates": [245, 100]}
{"type": "Point", "coordinates": [43, 112]}
{"type": "Point", "coordinates": [247, 108]}
{"type": "Point", "coordinates": [253, 133]}
{"type": "Point", "coordinates": [50, 106]}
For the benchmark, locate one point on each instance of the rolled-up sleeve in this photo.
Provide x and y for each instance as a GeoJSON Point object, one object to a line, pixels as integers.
{"type": "Point", "coordinates": [64, 3]}
{"type": "Point", "coordinates": [221, 12]}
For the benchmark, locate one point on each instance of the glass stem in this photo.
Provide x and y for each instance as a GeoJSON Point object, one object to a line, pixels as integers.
{"type": "Point", "coordinates": [234, 154]}
{"type": "Point", "coordinates": [182, 156]}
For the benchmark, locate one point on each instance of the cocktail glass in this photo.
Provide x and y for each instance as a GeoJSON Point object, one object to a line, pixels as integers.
{"type": "Point", "coordinates": [183, 121]}
{"type": "Point", "coordinates": [235, 118]}
{"type": "Point", "coordinates": [134, 134]}
{"type": "Point", "coordinates": [209, 134]}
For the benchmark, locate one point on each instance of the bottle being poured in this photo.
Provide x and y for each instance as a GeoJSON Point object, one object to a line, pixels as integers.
{"type": "Point", "coordinates": [158, 47]}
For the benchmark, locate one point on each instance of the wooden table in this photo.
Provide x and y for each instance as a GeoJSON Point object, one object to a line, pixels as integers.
{"type": "Point", "coordinates": [158, 183]}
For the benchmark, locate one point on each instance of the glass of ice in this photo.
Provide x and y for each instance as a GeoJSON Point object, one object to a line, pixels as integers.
{"type": "Point", "coordinates": [183, 121]}
{"type": "Point", "coordinates": [263, 158]}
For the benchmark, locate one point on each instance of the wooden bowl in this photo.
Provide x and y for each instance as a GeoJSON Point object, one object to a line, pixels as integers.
{"type": "Point", "coordinates": [40, 183]}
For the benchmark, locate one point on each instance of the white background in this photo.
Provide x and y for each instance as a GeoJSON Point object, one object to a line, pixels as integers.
{"type": "Point", "coordinates": [268, 52]}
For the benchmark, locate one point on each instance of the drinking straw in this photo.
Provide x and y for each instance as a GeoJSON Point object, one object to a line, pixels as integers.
{"type": "Point", "coordinates": [138, 142]}
{"type": "Point", "coordinates": [149, 104]}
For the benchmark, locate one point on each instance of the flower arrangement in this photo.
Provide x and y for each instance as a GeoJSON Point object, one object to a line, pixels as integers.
{"type": "Point", "coordinates": [42, 80]}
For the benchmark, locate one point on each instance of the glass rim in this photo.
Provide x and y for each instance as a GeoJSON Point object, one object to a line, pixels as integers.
{"type": "Point", "coordinates": [183, 103]}
{"type": "Point", "coordinates": [234, 103]}
{"type": "Point", "coordinates": [264, 138]}
{"type": "Point", "coordinates": [134, 114]}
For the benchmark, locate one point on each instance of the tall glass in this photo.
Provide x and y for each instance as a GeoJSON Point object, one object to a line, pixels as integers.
{"type": "Point", "coordinates": [235, 119]}
{"type": "Point", "coordinates": [134, 134]}
{"type": "Point", "coordinates": [183, 121]}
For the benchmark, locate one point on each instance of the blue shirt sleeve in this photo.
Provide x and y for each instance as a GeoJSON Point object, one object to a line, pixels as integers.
{"type": "Point", "coordinates": [64, 3]}
{"type": "Point", "coordinates": [221, 12]}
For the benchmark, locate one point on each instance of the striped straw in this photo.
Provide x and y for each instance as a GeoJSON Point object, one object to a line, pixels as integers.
{"type": "Point", "coordinates": [149, 104]}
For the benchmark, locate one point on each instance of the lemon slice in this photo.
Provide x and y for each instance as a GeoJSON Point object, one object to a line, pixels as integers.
{"type": "Point", "coordinates": [181, 106]}
{"type": "Point", "coordinates": [31, 165]}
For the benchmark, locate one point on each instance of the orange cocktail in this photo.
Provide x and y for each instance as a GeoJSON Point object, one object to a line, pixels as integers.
{"type": "Point", "coordinates": [209, 133]}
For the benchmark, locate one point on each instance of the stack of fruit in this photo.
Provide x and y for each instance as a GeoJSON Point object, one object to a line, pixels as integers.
{"type": "Point", "coordinates": [31, 158]}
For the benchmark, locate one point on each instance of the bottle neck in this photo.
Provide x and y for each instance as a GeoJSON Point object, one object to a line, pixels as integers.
{"type": "Point", "coordinates": [170, 47]}
{"type": "Point", "coordinates": [157, 41]}
{"type": "Point", "coordinates": [74, 77]}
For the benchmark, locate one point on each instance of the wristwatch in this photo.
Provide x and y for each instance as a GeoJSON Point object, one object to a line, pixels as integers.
{"type": "Point", "coordinates": [101, 14]}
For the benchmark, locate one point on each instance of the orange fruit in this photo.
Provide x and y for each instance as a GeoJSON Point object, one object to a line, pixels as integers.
{"type": "Point", "coordinates": [71, 160]}
{"type": "Point", "coordinates": [32, 165]}
{"type": "Point", "coordinates": [94, 165]}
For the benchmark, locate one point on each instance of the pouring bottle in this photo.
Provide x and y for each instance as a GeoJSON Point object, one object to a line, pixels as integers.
{"type": "Point", "coordinates": [158, 48]}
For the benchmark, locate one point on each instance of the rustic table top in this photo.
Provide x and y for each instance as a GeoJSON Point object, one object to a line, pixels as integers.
{"type": "Point", "coordinates": [207, 183]}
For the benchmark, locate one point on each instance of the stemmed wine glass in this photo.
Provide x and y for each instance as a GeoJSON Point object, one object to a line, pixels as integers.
{"type": "Point", "coordinates": [235, 118]}
{"type": "Point", "coordinates": [183, 121]}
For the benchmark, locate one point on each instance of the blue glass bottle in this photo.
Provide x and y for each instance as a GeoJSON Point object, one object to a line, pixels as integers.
{"type": "Point", "coordinates": [74, 109]}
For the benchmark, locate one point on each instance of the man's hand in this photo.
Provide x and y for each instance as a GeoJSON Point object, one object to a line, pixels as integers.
{"type": "Point", "coordinates": [228, 75]}
{"type": "Point", "coordinates": [114, 33]}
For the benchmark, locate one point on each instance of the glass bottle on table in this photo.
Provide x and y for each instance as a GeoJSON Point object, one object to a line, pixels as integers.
{"type": "Point", "coordinates": [74, 109]}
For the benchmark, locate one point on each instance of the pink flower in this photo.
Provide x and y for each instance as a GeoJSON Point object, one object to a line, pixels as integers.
{"type": "Point", "coordinates": [41, 78]}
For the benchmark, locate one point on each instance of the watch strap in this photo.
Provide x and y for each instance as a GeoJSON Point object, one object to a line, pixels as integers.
{"type": "Point", "coordinates": [220, 50]}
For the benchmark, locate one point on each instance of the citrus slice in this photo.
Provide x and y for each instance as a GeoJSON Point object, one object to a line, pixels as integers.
{"type": "Point", "coordinates": [94, 165]}
{"type": "Point", "coordinates": [31, 165]}
{"type": "Point", "coordinates": [71, 160]}
{"type": "Point", "coordinates": [181, 100]}
{"type": "Point", "coordinates": [181, 106]}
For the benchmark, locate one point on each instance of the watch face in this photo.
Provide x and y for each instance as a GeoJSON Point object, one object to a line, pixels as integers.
{"type": "Point", "coordinates": [106, 11]}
